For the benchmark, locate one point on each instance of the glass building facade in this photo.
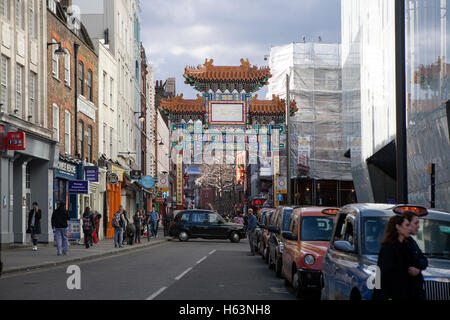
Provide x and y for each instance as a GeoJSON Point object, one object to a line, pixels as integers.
{"type": "Point", "coordinates": [368, 81]}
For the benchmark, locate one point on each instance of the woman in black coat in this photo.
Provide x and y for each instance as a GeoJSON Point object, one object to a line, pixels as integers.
{"type": "Point", "coordinates": [88, 226]}
{"type": "Point", "coordinates": [34, 224]}
{"type": "Point", "coordinates": [393, 261]}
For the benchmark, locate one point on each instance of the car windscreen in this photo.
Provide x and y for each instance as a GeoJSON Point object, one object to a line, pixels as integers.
{"type": "Point", "coordinates": [316, 228]}
{"type": "Point", "coordinates": [433, 237]}
{"type": "Point", "coordinates": [215, 218]}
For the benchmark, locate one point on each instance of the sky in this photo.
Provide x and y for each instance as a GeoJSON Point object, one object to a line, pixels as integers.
{"type": "Point", "coordinates": [180, 33]}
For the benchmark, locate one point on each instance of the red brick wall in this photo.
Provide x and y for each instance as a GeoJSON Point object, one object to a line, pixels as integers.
{"type": "Point", "coordinates": [62, 94]}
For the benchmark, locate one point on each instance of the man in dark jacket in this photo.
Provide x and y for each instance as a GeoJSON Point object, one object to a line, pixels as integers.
{"type": "Point", "coordinates": [34, 224]}
{"type": "Point", "coordinates": [417, 260]}
{"type": "Point", "coordinates": [59, 223]}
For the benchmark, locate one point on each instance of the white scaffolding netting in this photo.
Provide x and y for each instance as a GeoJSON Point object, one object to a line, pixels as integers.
{"type": "Point", "coordinates": [315, 85]}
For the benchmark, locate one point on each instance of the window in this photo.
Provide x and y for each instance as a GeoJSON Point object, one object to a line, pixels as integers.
{"type": "Point", "coordinates": [4, 64]}
{"type": "Point", "coordinates": [89, 84]}
{"type": "Point", "coordinates": [56, 121]}
{"type": "Point", "coordinates": [89, 150]}
{"type": "Point", "coordinates": [19, 90]}
{"type": "Point", "coordinates": [32, 95]}
{"type": "Point", "coordinates": [67, 132]}
{"type": "Point", "coordinates": [104, 89]}
{"type": "Point", "coordinates": [19, 14]}
{"type": "Point", "coordinates": [111, 87]}
{"type": "Point", "coordinates": [31, 19]}
{"type": "Point", "coordinates": [104, 138]}
{"type": "Point", "coordinates": [199, 217]}
{"type": "Point", "coordinates": [184, 217]}
{"type": "Point", "coordinates": [55, 61]}
{"type": "Point", "coordinates": [4, 8]}
{"type": "Point", "coordinates": [110, 142]}
{"type": "Point", "coordinates": [348, 235]}
{"type": "Point", "coordinates": [294, 223]}
{"type": "Point", "coordinates": [81, 138]}
{"type": "Point", "coordinates": [81, 78]}
{"type": "Point", "coordinates": [67, 68]}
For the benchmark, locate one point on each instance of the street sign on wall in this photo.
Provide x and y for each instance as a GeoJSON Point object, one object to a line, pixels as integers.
{"type": "Point", "coordinates": [79, 187]}
{"type": "Point", "coordinates": [15, 141]}
{"type": "Point", "coordinates": [91, 174]}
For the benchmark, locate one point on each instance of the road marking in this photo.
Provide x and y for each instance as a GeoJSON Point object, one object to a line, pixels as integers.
{"type": "Point", "coordinates": [202, 259]}
{"type": "Point", "coordinates": [182, 275]}
{"type": "Point", "coordinates": [212, 251]}
{"type": "Point", "coordinates": [153, 296]}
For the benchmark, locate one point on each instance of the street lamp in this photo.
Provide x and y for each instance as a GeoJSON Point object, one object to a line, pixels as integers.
{"type": "Point", "coordinates": [141, 117]}
{"type": "Point", "coordinates": [60, 51]}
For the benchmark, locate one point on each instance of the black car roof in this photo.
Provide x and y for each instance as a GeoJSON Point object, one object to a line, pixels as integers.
{"type": "Point", "coordinates": [385, 210]}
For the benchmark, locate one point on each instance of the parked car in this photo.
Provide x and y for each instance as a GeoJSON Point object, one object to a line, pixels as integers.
{"type": "Point", "coordinates": [260, 218]}
{"type": "Point", "coordinates": [305, 244]}
{"type": "Point", "coordinates": [204, 224]}
{"type": "Point", "coordinates": [280, 222]}
{"type": "Point", "coordinates": [356, 242]}
{"type": "Point", "coordinates": [265, 235]}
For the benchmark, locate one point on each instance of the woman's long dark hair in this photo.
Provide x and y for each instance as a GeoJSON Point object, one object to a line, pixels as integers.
{"type": "Point", "coordinates": [409, 215]}
{"type": "Point", "coordinates": [391, 233]}
{"type": "Point", "coordinates": [87, 212]}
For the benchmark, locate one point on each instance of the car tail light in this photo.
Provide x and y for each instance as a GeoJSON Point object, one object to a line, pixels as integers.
{"type": "Point", "coordinates": [330, 212]}
{"type": "Point", "coordinates": [420, 211]}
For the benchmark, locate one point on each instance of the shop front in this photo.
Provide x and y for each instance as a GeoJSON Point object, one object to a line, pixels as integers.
{"type": "Point", "coordinates": [68, 170]}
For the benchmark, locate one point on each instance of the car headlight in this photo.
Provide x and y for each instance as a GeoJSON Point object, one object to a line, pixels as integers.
{"type": "Point", "coordinates": [309, 259]}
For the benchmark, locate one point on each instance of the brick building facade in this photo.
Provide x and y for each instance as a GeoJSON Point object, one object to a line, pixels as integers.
{"type": "Point", "coordinates": [73, 112]}
{"type": "Point", "coordinates": [61, 88]}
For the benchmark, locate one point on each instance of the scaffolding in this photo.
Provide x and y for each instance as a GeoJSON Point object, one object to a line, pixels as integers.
{"type": "Point", "coordinates": [317, 137]}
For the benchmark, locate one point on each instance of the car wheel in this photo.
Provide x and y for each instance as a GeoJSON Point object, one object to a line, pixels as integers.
{"type": "Point", "coordinates": [278, 266]}
{"type": "Point", "coordinates": [183, 236]}
{"type": "Point", "coordinates": [265, 254]}
{"type": "Point", "coordinates": [296, 285]}
{"type": "Point", "coordinates": [271, 264]}
{"type": "Point", "coordinates": [234, 237]}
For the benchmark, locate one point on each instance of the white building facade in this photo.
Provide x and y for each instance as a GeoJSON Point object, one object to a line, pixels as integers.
{"type": "Point", "coordinates": [26, 175]}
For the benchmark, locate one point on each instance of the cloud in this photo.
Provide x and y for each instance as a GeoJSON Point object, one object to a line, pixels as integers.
{"type": "Point", "coordinates": [178, 33]}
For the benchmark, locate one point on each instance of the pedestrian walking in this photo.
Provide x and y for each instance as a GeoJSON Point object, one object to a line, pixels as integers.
{"type": "Point", "coordinates": [130, 232]}
{"type": "Point", "coordinates": [34, 224]}
{"type": "Point", "coordinates": [97, 220]}
{"type": "Point", "coordinates": [137, 220]}
{"type": "Point", "coordinates": [251, 228]}
{"type": "Point", "coordinates": [393, 261]}
{"type": "Point", "coordinates": [239, 220]}
{"type": "Point", "coordinates": [417, 260]}
{"type": "Point", "coordinates": [118, 223]}
{"type": "Point", "coordinates": [59, 223]}
{"type": "Point", "coordinates": [88, 226]}
{"type": "Point", "coordinates": [154, 222]}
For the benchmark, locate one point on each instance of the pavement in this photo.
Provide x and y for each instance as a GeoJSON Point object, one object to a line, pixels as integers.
{"type": "Point", "coordinates": [21, 259]}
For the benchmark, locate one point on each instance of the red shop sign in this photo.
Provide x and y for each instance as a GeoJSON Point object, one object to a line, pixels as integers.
{"type": "Point", "coordinates": [15, 141]}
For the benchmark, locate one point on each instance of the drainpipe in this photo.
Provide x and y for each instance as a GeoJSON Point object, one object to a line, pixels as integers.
{"type": "Point", "coordinates": [75, 51]}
